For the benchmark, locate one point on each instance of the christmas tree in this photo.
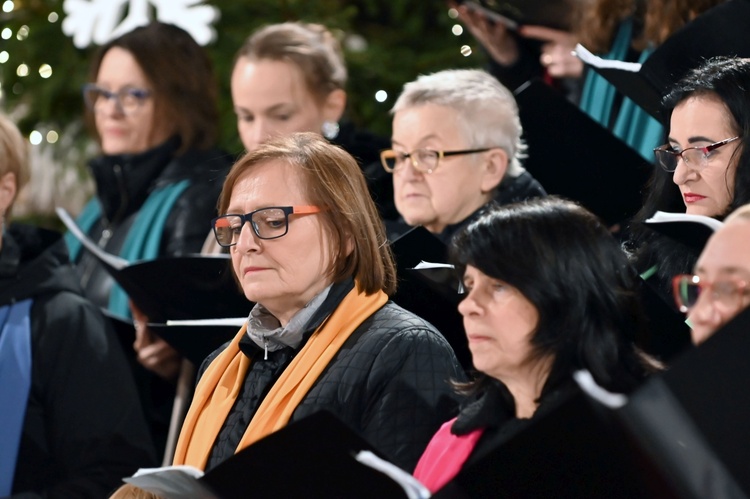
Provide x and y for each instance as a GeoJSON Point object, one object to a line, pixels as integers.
{"type": "Point", "coordinates": [42, 71]}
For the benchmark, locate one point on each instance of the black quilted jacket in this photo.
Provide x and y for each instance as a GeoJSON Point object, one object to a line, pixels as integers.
{"type": "Point", "coordinates": [389, 382]}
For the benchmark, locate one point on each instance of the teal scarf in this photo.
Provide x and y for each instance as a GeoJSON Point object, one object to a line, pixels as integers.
{"type": "Point", "coordinates": [143, 240]}
{"type": "Point", "coordinates": [632, 124]}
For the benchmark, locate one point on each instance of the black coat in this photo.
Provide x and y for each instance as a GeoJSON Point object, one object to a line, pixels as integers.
{"type": "Point", "coordinates": [124, 182]}
{"type": "Point", "coordinates": [83, 429]}
{"type": "Point", "coordinates": [389, 382]}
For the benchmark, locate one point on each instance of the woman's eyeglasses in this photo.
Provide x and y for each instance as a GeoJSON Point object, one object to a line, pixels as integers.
{"type": "Point", "coordinates": [128, 99]}
{"type": "Point", "coordinates": [267, 223]}
{"type": "Point", "coordinates": [729, 294]}
{"type": "Point", "coordinates": [696, 157]}
{"type": "Point", "coordinates": [423, 160]}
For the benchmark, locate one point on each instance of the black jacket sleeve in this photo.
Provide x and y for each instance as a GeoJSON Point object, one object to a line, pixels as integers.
{"type": "Point", "coordinates": [84, 428]}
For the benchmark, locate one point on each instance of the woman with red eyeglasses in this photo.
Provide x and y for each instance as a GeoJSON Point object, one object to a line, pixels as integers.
{"type": "Point", "coordinates": [703, 169]}
{"type": "Point", "coordinates": [720, 287]}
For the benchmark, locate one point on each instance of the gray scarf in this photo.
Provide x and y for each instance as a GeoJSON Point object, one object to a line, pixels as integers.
{"type": "Point", "coordinates": [266, 331]}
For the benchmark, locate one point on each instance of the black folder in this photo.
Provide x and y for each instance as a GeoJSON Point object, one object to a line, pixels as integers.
{"type": "Point", "coordinates": [690, 230]}
{"type": "Point", "coordinates": [311, 458]}
{"type": "Point", "coordinates": [721, 30]}
{"type": "Point", "coordinates": [515, 13]}
{"type": "Point", "coordinates": [182, 288]}
{"type": "Point", "coordinates": [432, 295]}
{"type": "Point", "coordinates": [573, 156]}
{"type": "Point", "coordinates": [578, 450]}
{"type": "Point", "coordinates": [683, 434]}
{"type": "Point", "coordinates": [710, 386]}
{"type": "Point", "coordinates": [195, 342]}
{"type": "Point", "coordinates": [171, 288]}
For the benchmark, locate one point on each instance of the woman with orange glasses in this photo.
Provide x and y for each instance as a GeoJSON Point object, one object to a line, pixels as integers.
{"type": "Point", "coordinates": [308, 248]}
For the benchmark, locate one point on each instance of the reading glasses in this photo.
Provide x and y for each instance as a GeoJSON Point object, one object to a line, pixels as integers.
{"type": "Point", "coordinates": [729, 294]}
{"type": "Point", "coordinates": [696, 157]}
{"type": "Point", "coordinates": [423, 160]}
{"type": "Point", "coordinates": [128, 99]}
{"type": "Point", "coordinates": [267, 223]}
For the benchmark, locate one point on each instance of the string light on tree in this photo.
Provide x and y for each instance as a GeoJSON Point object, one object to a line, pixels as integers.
{"type": "Point", "coordinates": [45, 71]}
{"type": "Point", "coordinates": [23, 33]}
{"type": "Point", "coordinates": [35, 138]}
{"type": "Point", "coordinates": [8, 6]}
{"type": "Point", "coordinates": [381, 96]}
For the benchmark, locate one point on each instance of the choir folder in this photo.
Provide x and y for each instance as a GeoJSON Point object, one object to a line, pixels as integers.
{"type": "Point", "coordinates": [720, 31]}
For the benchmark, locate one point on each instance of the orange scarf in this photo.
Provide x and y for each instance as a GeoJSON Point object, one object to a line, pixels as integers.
{"type": "Point", "coordinates": [221, 383]}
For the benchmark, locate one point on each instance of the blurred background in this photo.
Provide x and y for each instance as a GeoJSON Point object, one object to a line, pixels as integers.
{"type": "Point", "coordinates": [45, 46]}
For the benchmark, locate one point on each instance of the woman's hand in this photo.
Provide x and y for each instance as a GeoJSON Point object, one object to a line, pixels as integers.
{"type": "Point", "coordinates": [557, 51]}
{"type": "Point", "coordinates": [152, 352]}
{"type": "Point", "coordinates": [494, 37]}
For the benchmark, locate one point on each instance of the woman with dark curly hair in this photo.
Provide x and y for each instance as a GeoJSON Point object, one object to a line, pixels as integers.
{"type": "Point", "coordinates": [548, 292]}
{"type": "Point", "coordinates": [704, 169]}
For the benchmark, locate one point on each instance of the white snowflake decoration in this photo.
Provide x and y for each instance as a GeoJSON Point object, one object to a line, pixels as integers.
{"type": "Point", "coordinates": [96, 21]}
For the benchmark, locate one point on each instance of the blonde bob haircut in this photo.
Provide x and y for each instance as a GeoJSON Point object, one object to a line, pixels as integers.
{"type": "Point", "coordinates": [14, 155]}
{"type": "Point", "coordinates": [330, 178]}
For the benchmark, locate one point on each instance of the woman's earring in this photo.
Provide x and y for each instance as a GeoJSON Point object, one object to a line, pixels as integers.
{"type": "Point", "coordinates": [330, 129]}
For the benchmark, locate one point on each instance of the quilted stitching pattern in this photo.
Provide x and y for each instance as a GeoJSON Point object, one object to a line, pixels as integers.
{"type": "Point", "coordinates": [389, 382]}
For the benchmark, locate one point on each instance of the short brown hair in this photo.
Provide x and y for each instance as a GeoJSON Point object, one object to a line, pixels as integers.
{"type": "Point", "coordinates": [331, 178]}
{"type": "Point", "coordinates": [182, 77]}
{"type": "Point", "coordinates": [309, 47]}
{"type": "Point", "coordinates": [14, 151]}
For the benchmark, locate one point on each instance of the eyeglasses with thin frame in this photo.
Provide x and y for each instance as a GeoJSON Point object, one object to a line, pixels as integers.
{"type": "Point", "coordinates": [128, 99]}
{"type": "Point", "coordinates": [696, 157]}
{"type": "Point", "coordinates": [267, 223]}
{"type": "Point", "coordinates": [423, 160]}
{"type": "Point", "coordinates": [728, 294]}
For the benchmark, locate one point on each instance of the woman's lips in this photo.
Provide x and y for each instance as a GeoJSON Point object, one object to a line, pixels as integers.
{"type": "Point", "coordinates": [251, 270]}
{"type": "Point", "coordinates": [692, 197]}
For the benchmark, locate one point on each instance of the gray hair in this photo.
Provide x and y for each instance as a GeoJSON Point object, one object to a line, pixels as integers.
{"type": "Point", "coordinates": [486, 111]}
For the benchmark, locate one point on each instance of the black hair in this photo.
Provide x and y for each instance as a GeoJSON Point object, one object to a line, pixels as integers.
{"type": "Point", "coordinates": [724, 78]}
{"type": "Point", "coordinates": [563, 260]}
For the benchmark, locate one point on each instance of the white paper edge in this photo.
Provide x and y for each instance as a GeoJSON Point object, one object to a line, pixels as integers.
{"type": "Point", "coordinates": [586, 381]}
{"type": "Point", "coordinates": [229, 321]}
{"type": "Point", "coordinates": [110, 259]}
{"type": "Point", "coordinates": [413, 488]}
{"type": "Point", "coordinates": [432, 265]}
{"type": "Point", "coordinates": [664, 216]}
{"type": "Point", "coordinates": [587, 57]}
